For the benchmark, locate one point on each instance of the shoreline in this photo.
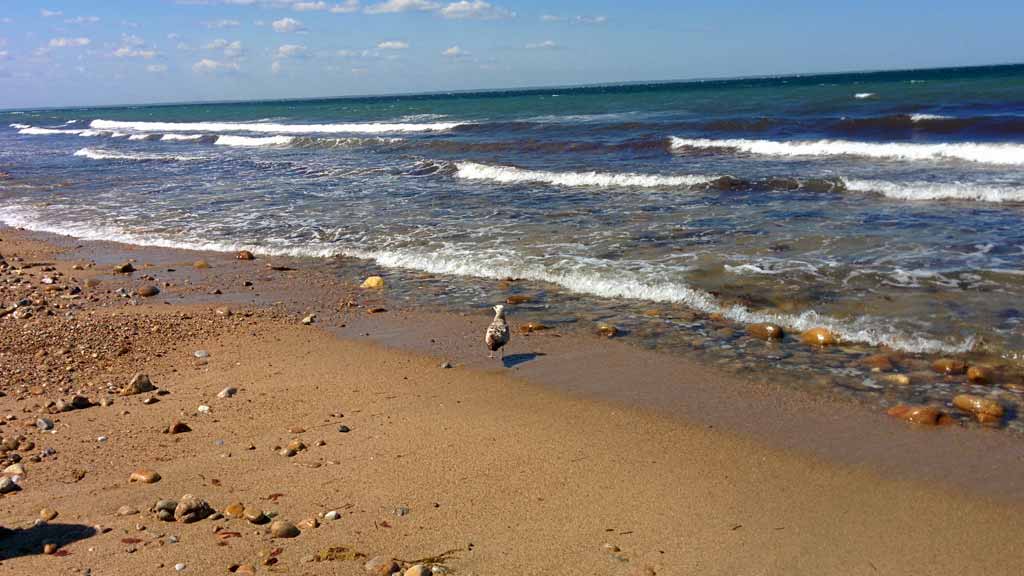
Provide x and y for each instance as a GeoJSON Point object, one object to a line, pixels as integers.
{"type": "Point", "coordinates": [705, 471]}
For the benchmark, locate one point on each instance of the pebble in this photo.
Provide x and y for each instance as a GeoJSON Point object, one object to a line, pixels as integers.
{"type": "Point", "coordinates": [203, 409]}
{"type": "Point", "coordinates": [178, 427]}
{"type": "Point", "coordinates": [344, 429]}
{"type": "Point", "coordinates": [244, 569]}
{"type": "Point", "coordinates": [145, 476]}
{"type": "Point", "coordinates": [899, 379]}
{"type": "Point", "coordinates": [227, 392]}
{"type": "Point", "coordinates": [949, 366]}
{"type": "Point", "coordinates": [446, 365]}
{"type": "Point", "coordinates": [765, 331]}
{"type": "Point", "coordinates": [47, 514]}
{"type": "Point", "coordinates": [418, 570]}
{"type": "Point", "coordinates": [102, 439]}
{"type": "Point", "coordinates": [8, 485]}
{"type": "Point", "coordinates": [201, 354]}
{"type": "Point", "coordinates": [381, 566]}
{"type": "Point", "coordinates": [309, 319]}
{"type": "Point", "coordinates": [44, 424]}
{"type": "Point", "coordinates": [192, 509]}
{"type": "Point", "coordinates": [532, 327]}
{"type": "Point", "coordinates": [245, 255]}
{"type": "Point", "coordinates": [125, 268]}
{"type": "Point", "coordinates": [225, 312]}
{"type": "Point", "coordinates": [927, 415]}
{"type": "Point", "coordinates": [49, 548]}
{"type": "Point", "coordinates": [332, 515]}
{"type": "Point", "coordinates": [201, 264]}
{"type": "Point", "coordinates": [14, 470]}
{"type": "Point", "coordinates": [234, 510]}
{"type": "Point", "coordinates": [985, 410]}
{"type": "Point", "coordinates": [126, 510]}
{"type": "Point", "coordinates": [148, 291]}
{"type": "Point", "coordinates": [607, 330]}
{"type": "Point", "coordinates": [980, 374]}
{"type": "Point", "coordinates": [373, 282]}
{"type": "Point", "coordinates": [139, 384]}
{"type": "Point", "coordinates": [283, 529]}
{"type": "Point", "coordinates": [255, 516]}
{"type": "Point", "coordinates": [819, 337]}
{"type": "Point", "coordinates": [179, 567]}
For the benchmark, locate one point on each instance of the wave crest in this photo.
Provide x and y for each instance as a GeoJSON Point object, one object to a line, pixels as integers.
{"type": "Point", "coordinates": [274, 128]}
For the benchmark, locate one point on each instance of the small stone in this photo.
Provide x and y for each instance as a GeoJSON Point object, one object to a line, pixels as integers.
{"type": "Point", "coordinates": [283, 529]}
{"type": "Point", "coordinates": [927, 415]}
{"type": "Point", "coordinates": [145, 476]}
{"type": "Point", "coordinates": [297, 445]}
{"type": "Point", "coordinates": [201, 354]}
{"type": "Point", "coordinates": [980, 374]}
{"type": "Point", "coordinates": [243, 569]}
{"type": "Point", "coordinates": [139, 384]}
{"type": "Point", "coordinates": [446, 365]}
{"type": "Point", "coordinates": [819, 337]}
{"type": "Point", "coordinates": [179, 567]}
{"type": "Point", "coordinates": [518, 299]}
{"type": "Point", "coordinates": [287, 452]}
{"type": "Point", "coordinates": [765, 331]}
{"type": "Point", "coordinates": [256, 516]}
{"type": "Point", "coordinates": [78, 402]}
{"type": "Point", "coordinates": [985, 410]}
{"type": "Point", "coordinates": [418, 570]}
{"type": "Point", "coordinates": [245, 255]}
{"type": "Point", "coordinates": [47, 514]}
{"type": "Point", "coordinates": [373, 283]}
{"type": "Point", "coordinates": [126, 510]}
{"type": "Point", "coordinates": [308, 524]}
{"type": "Point", "coordinates": [309, 319]}
{"type": "Point", "coordinates": [234, 510]}
{"type": "Point", "coordinates": [332, 515]}
{"type": "Point", "coordinates": [148, 291]}
{"type": "Point", "coordinates": [201, 265]}
{"type": "Point", "coordinates": [607, 330]}
{"type": "Point", "coordinates": [49, 548]}
{"type": "Point", "coordinates": [878, 363]}
{"type": "Point", "coordinates": [8, 485]}
{"type": "Point", "coordinates": [192, 509]}
{"type": "Point", "coordinates": [178, 427]}
{"type": "Point", "coordinates": [225, 312]}
{"type": "Point", "coordinates": [344, 429]}
{"type": "Point", "coordinates": [949, 366]}
{"type": "Point", "coordinates": [227, 392]}
{"type": "Point", "coordinates": [532, 327]}
{"type": "Point", "coordinates": [15, 469]}
{"type": "Point", "coordinates": [148, 401]}
{"type": "Point", "coordinates": [381, 566]}
{"type": "Point", "coordinates": [125, 268]}
{"type": "Point", "coordinates": [898, 379]}
{"type": "Point", "coordinates": [44, 424]}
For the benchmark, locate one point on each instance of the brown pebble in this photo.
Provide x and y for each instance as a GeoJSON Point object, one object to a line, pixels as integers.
{"type": "Point", "coordinates": [49, 548]}
{"type": "Point", "coordinates": [145, 476]}
{"type": "Point", "coordinates": [245, 255]}
{"type": "Point", "coordinates": [980, 374]}
{"type": "Point", "coordinates": [47, 514]}
{"type": "Point", "coordinates": [178, 427]}
{"type": "Point", "coordinates": [381, 566]}
{"type": "Point", "coordinates": [607, 330]}
{"type": "Point", "coordinates": [985, 410]}
{"type": "Point", "coordinates": [518, 299]}
{"type": "Point", "coordinates": [283, 529]}
{"type": "Point", "coordinates": [819, 337]}
{"type": "Point", "coordinates": [235, 510]}
{"type": "Point", "coordinates": [765, 331]}
{"type": "Point", "coordinates": [927, 415]}
{"type": "Point", "coordinates": [949, 366]}
{"type": "Point", "coordinates": [201, 265]}
{"type": "Point", "coordinates": [148, 291]}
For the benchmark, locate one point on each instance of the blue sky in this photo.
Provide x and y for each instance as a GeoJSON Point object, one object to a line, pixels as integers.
{"type": "Point", "coordinates": [61, 53]}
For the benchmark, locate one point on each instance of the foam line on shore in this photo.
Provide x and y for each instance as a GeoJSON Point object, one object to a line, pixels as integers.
{"type": "Point", "coordinates": [274, 128]}
{"type": "Point", "coordinates": [510, 175]}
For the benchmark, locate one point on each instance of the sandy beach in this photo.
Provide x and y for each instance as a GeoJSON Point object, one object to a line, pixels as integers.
{"type": "Point", "coordinates": [391, 434]}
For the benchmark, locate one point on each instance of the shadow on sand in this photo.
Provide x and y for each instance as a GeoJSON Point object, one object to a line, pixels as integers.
{"type": "Point", "coordinates": [18, 542]}
{"type": "Point", "coordinates": [513, 360]}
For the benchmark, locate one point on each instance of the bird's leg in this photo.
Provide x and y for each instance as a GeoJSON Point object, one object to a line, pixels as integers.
{"type": "Point", "coordinates": [491, 355]}
{"type": "Point", "coordinates": [502, 352]}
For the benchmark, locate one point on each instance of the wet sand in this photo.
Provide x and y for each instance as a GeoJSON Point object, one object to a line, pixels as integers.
{"type": "Point", "coordinates": [579, 455]}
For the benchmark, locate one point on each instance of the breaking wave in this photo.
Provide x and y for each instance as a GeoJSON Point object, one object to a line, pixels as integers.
{"type": "Point", "coordinates": [275, 128]}
{"type": "Point", "coordinates": [938, 190]}
{"type": "Point", "coordinates": [254, 141]}
{"type": "Point", "coordinates": [98, 154]}
{"type": "Point", "coordinates": [1003, 154]}
{"type": "Point", "coordinates": [510, 174]}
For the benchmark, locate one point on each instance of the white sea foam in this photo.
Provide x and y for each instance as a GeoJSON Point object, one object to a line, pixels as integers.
{"type": "Point", "coordinates": [926, 117]}
{"type": "Point", "coordinates": [250, 141]}
{"type": "Point", "coordinates": [20, 126]}
{"type": "Point", "coordinates": [608, 283]}
{"type": "Point", "coordinates": [864, 95]}
{"type": "Point", "coordinates": [939, 190]}
{"type": "Point", "coordinates": [181, 137]}
{"type": "Point", "coordinates": [34, 131]}
{"type": "Point", "coordinates": [1003, 154]}
{"type": "Point", "coordinates": [274, 128]}
{"type": "Point", "coordinates": [509, 175]}
{"type": "Point", "coordinates": [144, 137]}
{"type": "Point", "coordinates": [98, 154]}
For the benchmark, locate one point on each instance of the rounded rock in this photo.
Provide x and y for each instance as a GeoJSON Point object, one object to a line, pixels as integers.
{"type": "Point", "coordinates": [255, 516]}
{"type": "Point", "coordinates": [819, 337]}
{"type": "Point", "coordinates": [980, 374]}
{"type": "Point", "coordinates": [373, 283]}
{"type": "Point", "coordinates": [145, 476]}
{"type": "Point", "coordinates": [148, 291]}
{"type": "Point", "coordinates": [985, 410]}
{"type": "Point", "coordinates": [381, 566]}
{"type": "Point", "coordinates": [418, 570]}
{"type": "Point", "coordinates": [245, 255]}
{"type": "Point", "coordinates": [950, 366]}
{"type": "Point", "coordinates": [283, 529]}
{"type": "Point", "coordinates": [765, 331]}
{"type": "Point", "coordinates": [47, 514]}
{"type": "Point", "coordinates": [927, 415]}
{"type": "Point", "coordinates": [192, 509]}
{"type": "Point", "coordinates": [227, 392]}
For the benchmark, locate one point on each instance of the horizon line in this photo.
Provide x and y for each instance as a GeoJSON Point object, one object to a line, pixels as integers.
{"type": "Point", "coordinates": [524, 89]}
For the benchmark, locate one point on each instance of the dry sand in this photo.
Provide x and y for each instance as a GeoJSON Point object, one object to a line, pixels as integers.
{"type": "Point", "coordinates": [510, 470]}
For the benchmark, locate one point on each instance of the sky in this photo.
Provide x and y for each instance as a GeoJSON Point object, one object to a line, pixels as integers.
{"type": "Point", "coordinates": [83, 53]}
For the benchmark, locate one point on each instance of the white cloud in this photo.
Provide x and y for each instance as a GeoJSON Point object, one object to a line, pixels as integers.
{"type": "Point", "coordinates": [231, 49]}
{"type": "Point", "coordinates": [222, 24]}
{"type": "Point", "coordinates": [290, 51]}
{"type": "Point", "coordinates": [552, 18]}
{"type": "Point", "coordinates": [591, 19]}
{"type": "Point", "coordinates": [393, 45]}
{"type": "Point", "coordinates": [346, 7]}
{"type": "Point", "coordinates": [155, 68]}
{"type": "Point", "coordinates": [393, 6]}
{"type": "Point", "coordinates": [207, 65]}
{"type": "Point", "coordinates": [184, 47]}
{"type": "Point", "coordinates": [477, 9]}
{"type": "Point", "coordinates": [82, 20]}
{"type": "Point", "coordinates": [347, 53]}
{"type": "Point", "coordinates": [131, 40]}
{"type": "Point", "coordinates": [455, 52]}
{"type": "Point", "coordinates": [275, 67]}
{"type": "Point", "coordinates": [129, 52]}
{"type": "Point", "coordinates": [50, 13]}
{"type": "Point", "coordinates": [309, 6]}
{"type": "Point", "coordinates": [287, 25]}
{"type": "Point", "coordinates": [545, 45]}
{"type": "Point", "coordinates": [69, 42]}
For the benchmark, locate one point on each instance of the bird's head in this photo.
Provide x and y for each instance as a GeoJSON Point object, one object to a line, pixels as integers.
{"type": "Point", "coordinates": [499, 311]}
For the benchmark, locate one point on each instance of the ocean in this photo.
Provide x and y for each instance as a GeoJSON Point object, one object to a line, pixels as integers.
{"type": "Point", "coordinates": [885, 206]}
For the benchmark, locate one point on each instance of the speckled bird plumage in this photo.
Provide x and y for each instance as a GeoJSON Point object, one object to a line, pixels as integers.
{"type": "Point", "coordinates": [498, 333]}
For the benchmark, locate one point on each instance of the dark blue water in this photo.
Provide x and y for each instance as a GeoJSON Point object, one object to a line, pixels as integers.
{"type": "Point", "coordinates": [886, 206]}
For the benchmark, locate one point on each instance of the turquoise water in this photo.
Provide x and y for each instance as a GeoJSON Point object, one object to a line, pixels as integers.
{"type": "Point", "coordinates": [886, 206]}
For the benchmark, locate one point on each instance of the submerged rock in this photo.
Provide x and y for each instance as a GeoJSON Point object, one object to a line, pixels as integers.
{"type": "Point", "coordinates": [819, 337]}
{"type": "Point", "coordinates": [985, 410]}
{"type": "Point", "coordinates": [949, 366]}
{"type": "Point", "coordinates": [928, 415]}
{"type": "Point", "coordinates": [765, 331]}
{"type": "Point", "coordinates": [373, 282]}
{"type": "Point", "coordinates": [980, 374]}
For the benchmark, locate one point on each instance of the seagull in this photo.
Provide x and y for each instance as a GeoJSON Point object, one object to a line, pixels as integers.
{"type": "Point", "coordinates": [498, 332]}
